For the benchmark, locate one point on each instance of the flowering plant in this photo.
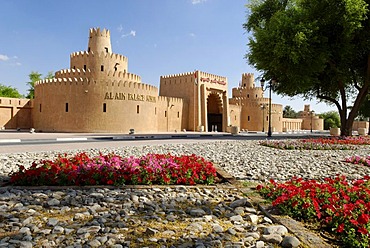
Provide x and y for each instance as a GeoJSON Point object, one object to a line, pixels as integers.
{"type": "Point", "coordinates": [359, 160]}
{"type": "Point", "coordinates": [330, 143]}
{"type": "Point", "coordinates": [112, 169]}
{"type": "Point", "coordinates": [341, 207]}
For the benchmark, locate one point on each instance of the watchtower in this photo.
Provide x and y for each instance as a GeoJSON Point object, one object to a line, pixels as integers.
{"type": "Point", "coordinates": [99, 41]}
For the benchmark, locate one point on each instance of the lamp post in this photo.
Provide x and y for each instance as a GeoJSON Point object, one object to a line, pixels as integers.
{"type": "Point", "coordinates": [263, 107]}
{"type": "Point", "coordinates": [272, 81]}
{"type": "Point", "coordinates": [312, 112]}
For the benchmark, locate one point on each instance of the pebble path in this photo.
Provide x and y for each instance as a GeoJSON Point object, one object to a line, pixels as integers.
{"type": "Point", "coordinates": [178, 216]}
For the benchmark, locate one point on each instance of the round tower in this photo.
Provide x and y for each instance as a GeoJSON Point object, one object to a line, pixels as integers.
{"type": "Point", "coordinates": [99, 41]}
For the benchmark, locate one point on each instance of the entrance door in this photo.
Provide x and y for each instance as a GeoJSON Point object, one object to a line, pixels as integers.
{"type": "Point", "coordinates": [214, 113]}
{"type": "Point", "coordinates": [214, 122]}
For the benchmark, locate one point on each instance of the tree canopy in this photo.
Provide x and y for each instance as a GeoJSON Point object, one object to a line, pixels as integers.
{"type": "Point", "coordinates": [34, 76]}
{"type": "Point", "coordinates": [331, 119]}
{"type": "Point", "coordinates": [315, 49]}
{"type": "Point", "coordinates": [8, 91]}
{"type": "Point", "coordinates": [288, 112]}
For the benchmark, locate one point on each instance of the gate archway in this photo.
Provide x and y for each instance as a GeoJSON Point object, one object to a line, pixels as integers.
{"type": "Point", "coordinates": [214, 113]}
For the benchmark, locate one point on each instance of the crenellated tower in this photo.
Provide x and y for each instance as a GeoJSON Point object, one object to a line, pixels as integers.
{"type": "Point", "coordinates": [99, 41]}
{"type": "Point", "coordinates": [251, 108]}
{"type": "Point", "coordinates": [99, 61]}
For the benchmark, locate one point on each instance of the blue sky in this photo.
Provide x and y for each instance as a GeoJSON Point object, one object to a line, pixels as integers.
{"type": "Point", "coordinates": [159, 37]}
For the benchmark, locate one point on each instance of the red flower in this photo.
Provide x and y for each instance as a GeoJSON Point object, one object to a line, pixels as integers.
{"type": "Point", "coordinates": [363, 230]}
{"type": "Point", "coordinates": [363, 219]}
{"type": "Point", "coordinates": [340, 228]}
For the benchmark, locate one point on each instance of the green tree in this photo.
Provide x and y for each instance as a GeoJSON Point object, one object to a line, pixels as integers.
{"type": "Point", "coordinates": [289, 112]}
{"type": "Point", "coordinates": [314, 49]}
{"type": "Point", "coordinates": [8, 91]}
{"type": "Point", "coordinates": [34, 76]}
{"type": "Point", "coordinates": [331, 119]}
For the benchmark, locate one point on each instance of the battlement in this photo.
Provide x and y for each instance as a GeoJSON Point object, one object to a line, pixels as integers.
{"type": "Point", "coordinates": [247, 75]}
{"type": "Point", "coordinates": [170, 99]}
{"type": "Point", "coordinates": [90, 81]}
{"type": "Point", "coordinates": [133, 85]}
{"type": "Point", "coordinates": [71, 73]}
{"type": "Point", "coordinates": [76, 73]}
{"type": "Point", "coordinates": [59, 81]}
{"type": "Point", "coordinates": [209, 75]}
{"type": "Point", "coordinates": [98, 32]}
{"type": "Point", "coordinates": [244, 88]}
{"type": "Point", "coordinates": [104, 55]}
{"type": "Point", "coordinates": [178, 75]}
{"type": "Point", "coordinates": [125, 75]}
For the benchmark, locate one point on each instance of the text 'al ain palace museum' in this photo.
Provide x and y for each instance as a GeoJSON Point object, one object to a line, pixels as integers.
{"type": "Point", "coordinates": [98, 94]}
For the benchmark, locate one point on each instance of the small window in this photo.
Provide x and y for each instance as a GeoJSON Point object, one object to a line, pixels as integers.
{"type": "Point", "coordinates": [102, 67]}
{"type": "Point", "coordinates": [155, 111]}
{"type": "Point", "coordinates": [0, 101]}
{"type": "Point", "coordinates": [178, 114]}
{"type": "Point", "coordinates": [67, 107]}
{"type": "Point", "coordinates": [248, 95]}
{"type": "Point", "coordinates": [85, 67]}
{"type": "Point", "coordinates": [249, 118]}
{"type": "Point", "coordinates": [40, 107]}
{"type": "Point", "coordinates": [88, 49]}
{"type": "Point", "coordinates": [137, 109]}
{"type": "Point", "coordinates": [104, 107]}
{"type": "Point", "coordinates": [235, 117]}
{"type": "Point", "coordinates": [165, 113]}
{"type": "Point", "coordinates": [256, 95]}
{"type": "Point", "coordinates": [19, 102]}
{"type": "Point", "coordinates": [74, 67]}
{"type": "Point", "coordinates": [106, 49]}
{"type": "Point", "coordinates": [10, 101]}
{"type": "Point", "coordinates": [267, 118]}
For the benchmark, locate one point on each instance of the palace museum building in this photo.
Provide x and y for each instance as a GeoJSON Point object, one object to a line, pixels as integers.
{"type": "Point", "coordinates": [98, 94]}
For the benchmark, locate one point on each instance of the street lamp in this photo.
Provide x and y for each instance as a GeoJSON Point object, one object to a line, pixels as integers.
{"type": "Point", "coordinates": [263, 107]}
{"type": "Point", "coordinates": [312, 112]}
{"type": "Point", "coordinates": [272, 81]}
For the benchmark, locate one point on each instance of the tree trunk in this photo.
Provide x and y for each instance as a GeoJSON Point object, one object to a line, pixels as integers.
{"type": "Point", "coordinates": [345, 126]}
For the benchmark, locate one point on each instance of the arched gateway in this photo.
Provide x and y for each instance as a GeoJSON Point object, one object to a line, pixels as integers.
{"type": "Point", "coordinates": [214, 112]}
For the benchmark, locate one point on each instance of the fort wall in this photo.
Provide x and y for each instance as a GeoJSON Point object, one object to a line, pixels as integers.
{"type": "Point", "coordinates": [15, 113]}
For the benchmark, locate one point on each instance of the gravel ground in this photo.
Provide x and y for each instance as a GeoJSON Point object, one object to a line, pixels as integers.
{"type": "Point", "coordinates": [217, 216]}
{"type": "Point", "coordinates": [245, 160]}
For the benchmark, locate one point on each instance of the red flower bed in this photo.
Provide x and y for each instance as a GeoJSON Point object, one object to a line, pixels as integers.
{"type": "Point", "coordinates": [348, 140]}
{"type": "Point", "coordinates": [114, 170]}
{"type": "Point", "coordinates": [341, 207]}
{"type": "Point", "coordinates": [324, 143]}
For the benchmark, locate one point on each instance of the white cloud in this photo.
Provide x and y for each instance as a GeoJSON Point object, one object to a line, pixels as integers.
{"type": "Point", "coordinates": [198, 1]}
{"type": "Point", "coordinates": [132, 33]}
{"type": "Point", "coordinates": [120, 28]}
{"type": "Point", "coordinates": [3, 57]}
{"type": "Point", "coordinates": [192, 35]}
{"type": "Point", "coordinates": [18, 64]}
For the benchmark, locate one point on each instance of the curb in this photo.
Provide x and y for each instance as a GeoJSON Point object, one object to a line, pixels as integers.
{"type": "Point", "coordinates": [116, 138]}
